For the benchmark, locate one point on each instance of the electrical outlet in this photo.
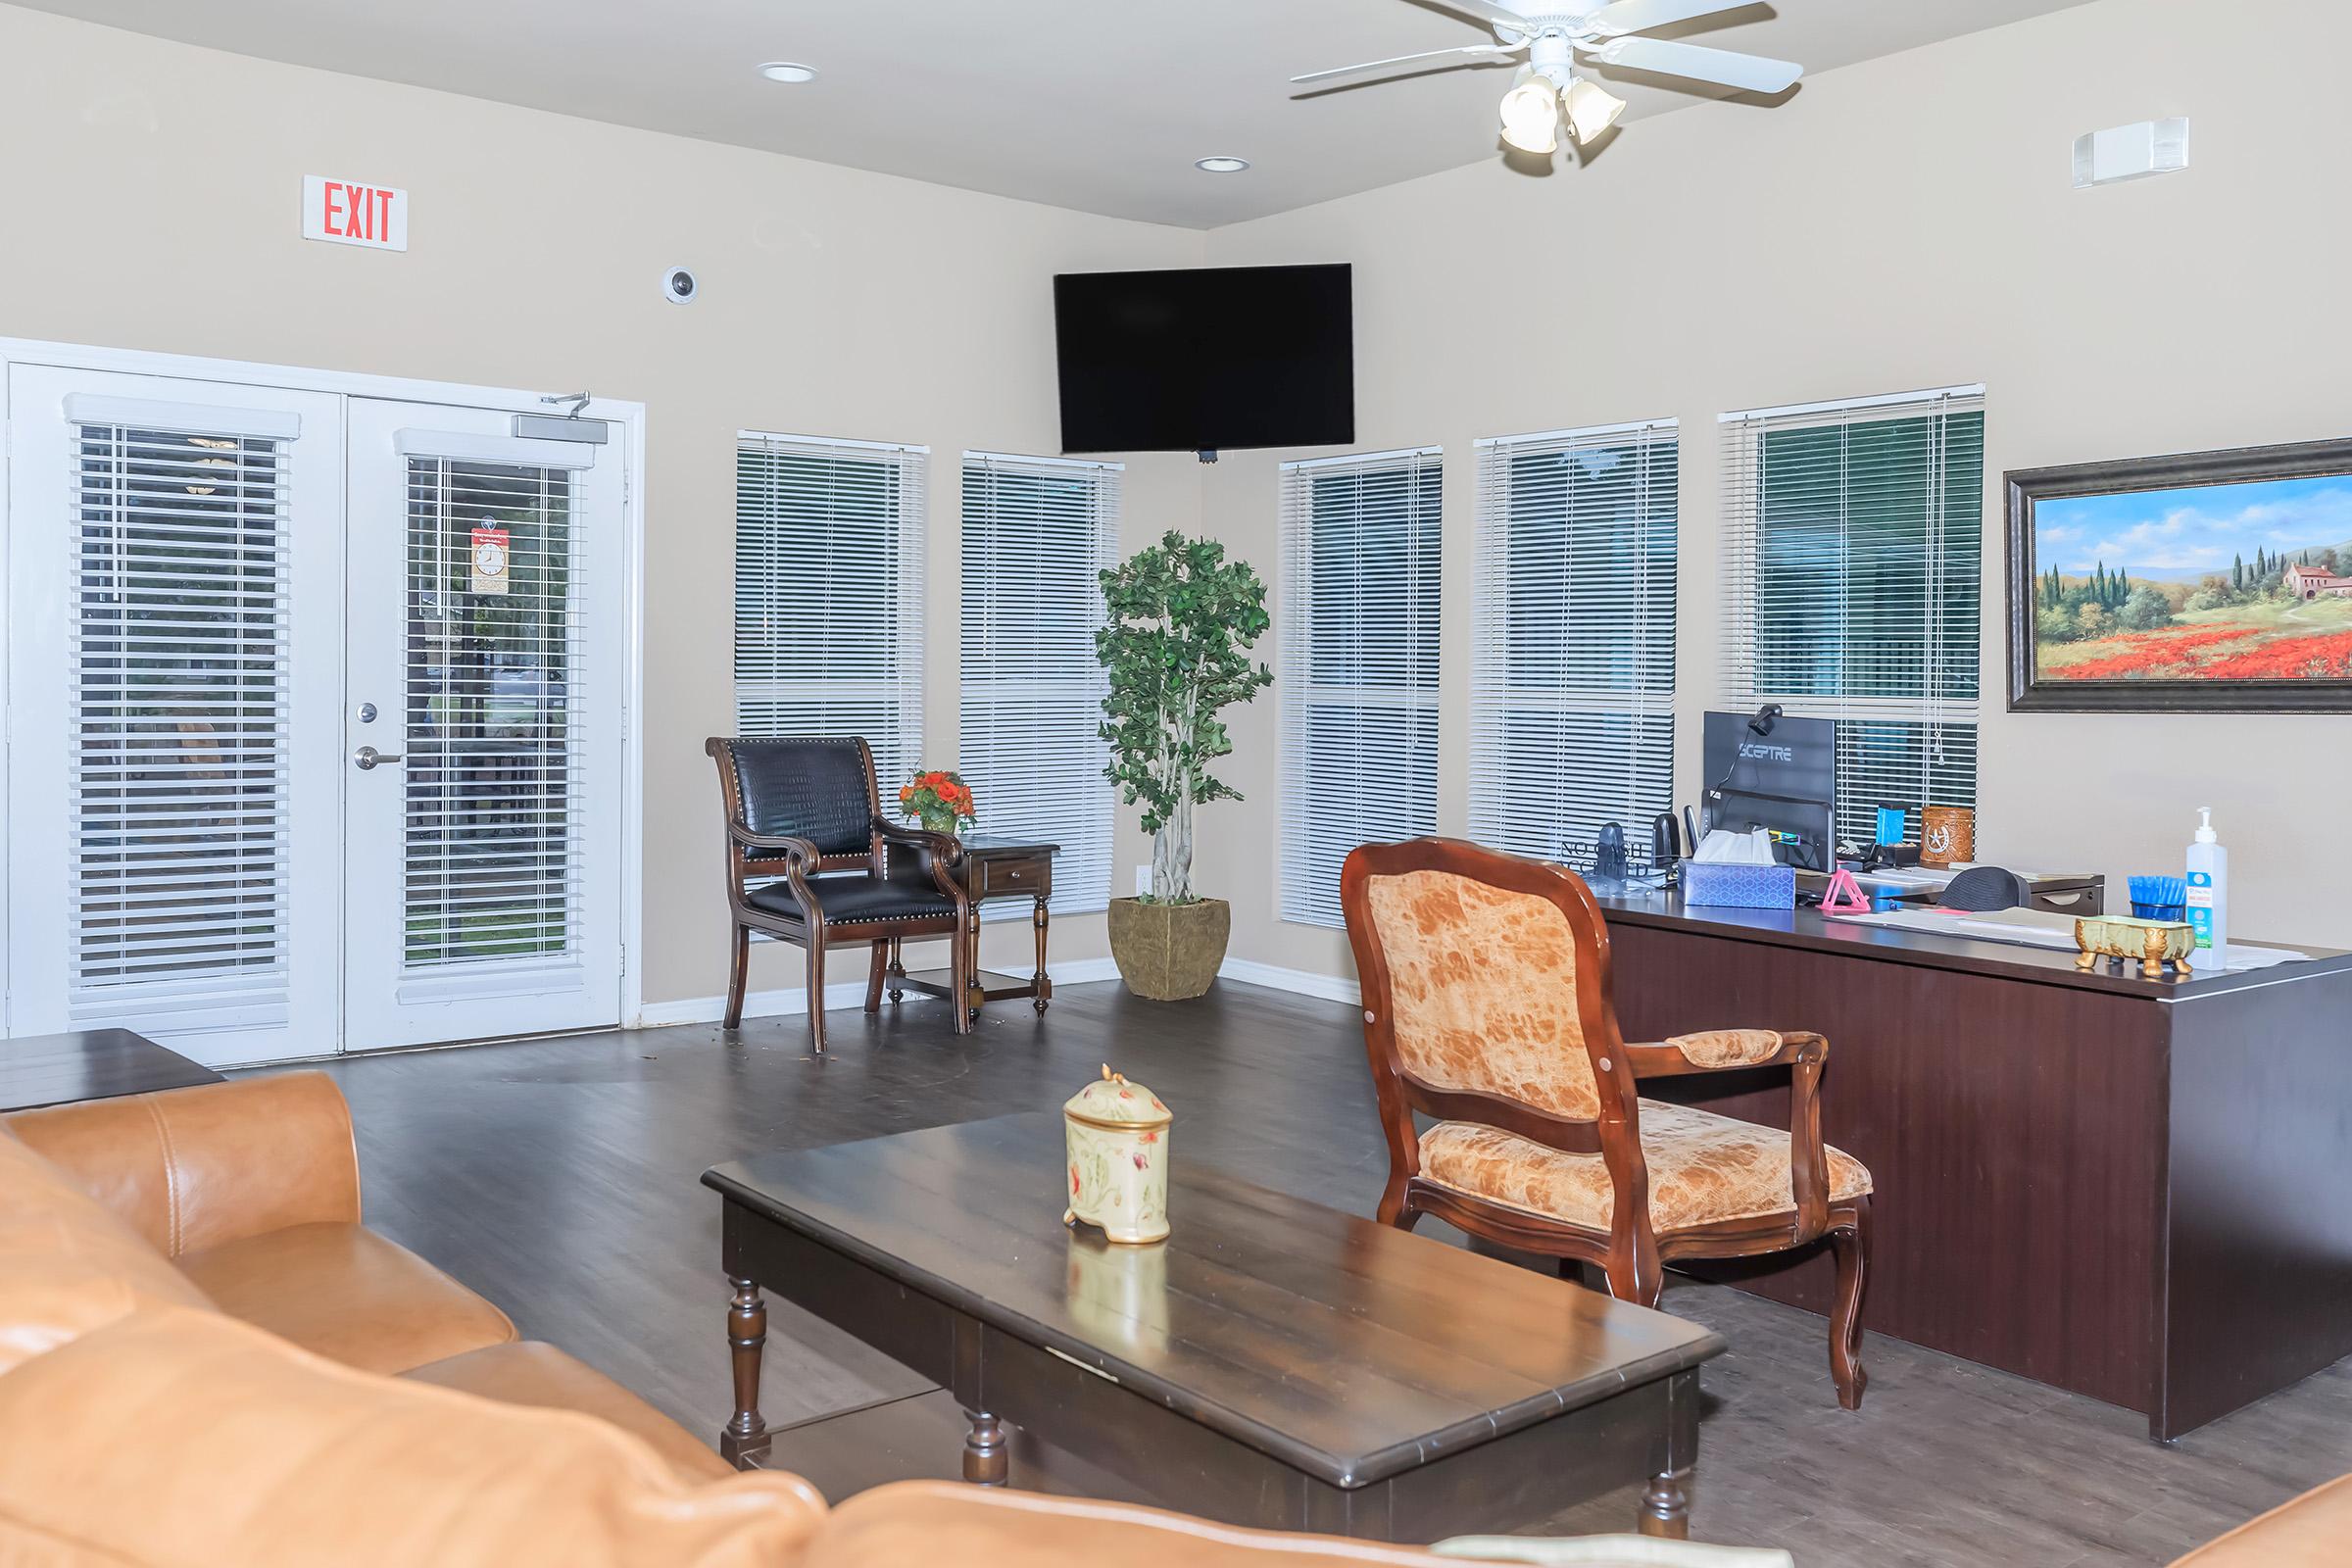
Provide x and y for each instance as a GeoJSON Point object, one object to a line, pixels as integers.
{"type": "Point", "coordinates": [1143, 881]}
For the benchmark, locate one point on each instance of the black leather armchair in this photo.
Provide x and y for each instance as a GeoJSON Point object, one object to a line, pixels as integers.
{"type": "Point", "coordinates": [812, 860]}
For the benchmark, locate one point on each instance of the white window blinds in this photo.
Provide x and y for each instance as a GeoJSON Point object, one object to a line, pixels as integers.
{"type": "Point", "coordinates": [1036, 532]}
{"type": "Point", "coordinates": [179, 858]}
{"type": "Point", "coordinates": [491, 860]}
{"type": "Point", "coordinates": [1855, 536]}
{"type": "Point", "coordinates": [1572, 660]}
{"type": "Point", "coordinates": [1359, 665]}
{"type": "Point", "coordinates": [829, 543]}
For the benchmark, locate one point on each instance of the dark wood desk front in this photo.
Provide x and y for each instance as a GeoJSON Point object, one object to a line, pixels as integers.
{"type": "Point", "coordinates": [2131, 1189]}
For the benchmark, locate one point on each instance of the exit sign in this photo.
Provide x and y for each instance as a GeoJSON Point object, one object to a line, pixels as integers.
{"type": "Point", "coordinates": [345, 212]}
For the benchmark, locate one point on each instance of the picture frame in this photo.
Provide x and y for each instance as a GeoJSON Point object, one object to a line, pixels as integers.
{"type": "Point", "coordinates": [2183, 583]}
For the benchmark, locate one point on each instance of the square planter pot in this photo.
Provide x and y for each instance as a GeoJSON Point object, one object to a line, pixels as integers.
{"type": "Point", "coordinates": [1168, 951]}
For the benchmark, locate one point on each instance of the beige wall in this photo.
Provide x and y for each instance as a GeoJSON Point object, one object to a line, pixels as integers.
{"type": "Point", "coordinates": [1900, 224]}
{"type": "Point", "coordinates": [1903, 223]}
{"type": "Point", "coordinates": [149, 192]}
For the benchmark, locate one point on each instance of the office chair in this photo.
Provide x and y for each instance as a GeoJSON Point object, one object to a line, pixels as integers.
{"type": "Point", "coordinates": [1984, 889]}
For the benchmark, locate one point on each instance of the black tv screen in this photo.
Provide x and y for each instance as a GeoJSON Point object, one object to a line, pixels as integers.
{"type": "Point", "coordinates": [1204, 359]}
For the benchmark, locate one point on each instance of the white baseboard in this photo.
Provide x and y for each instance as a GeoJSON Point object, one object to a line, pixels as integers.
{"type": "Point", "coordinates": [755, 1005]}
{"type": "Point", "coordinates": [1304, 982]}
{"type": "Point", "coordinates": [791, 1002]}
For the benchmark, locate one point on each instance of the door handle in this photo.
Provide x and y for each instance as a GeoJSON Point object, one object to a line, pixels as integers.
{"type": "Point", "coordinates": [368, 756]}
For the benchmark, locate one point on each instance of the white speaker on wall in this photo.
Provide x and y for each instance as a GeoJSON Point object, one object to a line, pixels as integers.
{"type": "Point", "coordinates": [2131, 152]}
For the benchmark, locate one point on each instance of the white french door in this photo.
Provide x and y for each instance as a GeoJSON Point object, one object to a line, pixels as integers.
{"type": "Point", "coordinates": [481, 864]}
{"type": "Point", "coordinates": [218, 593]}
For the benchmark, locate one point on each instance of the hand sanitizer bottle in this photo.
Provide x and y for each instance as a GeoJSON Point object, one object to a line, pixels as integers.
{"type": "Point", "coordinates": [2209, 896]}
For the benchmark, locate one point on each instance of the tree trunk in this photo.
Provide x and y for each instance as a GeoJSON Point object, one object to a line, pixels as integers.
{"type": "Point", "coordinates": [1172, 849]}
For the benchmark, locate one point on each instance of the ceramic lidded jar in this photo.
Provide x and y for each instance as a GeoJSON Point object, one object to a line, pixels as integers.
{"type": "Point", "coordinates": [1119, 1166]}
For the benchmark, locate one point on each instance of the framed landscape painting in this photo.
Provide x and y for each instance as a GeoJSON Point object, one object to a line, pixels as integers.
{"type": "Point", "coordinates": [2211, 580]}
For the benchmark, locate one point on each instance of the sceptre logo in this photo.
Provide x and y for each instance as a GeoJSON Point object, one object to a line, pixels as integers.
{"type": "Point", "coordinates": [1760, 752]}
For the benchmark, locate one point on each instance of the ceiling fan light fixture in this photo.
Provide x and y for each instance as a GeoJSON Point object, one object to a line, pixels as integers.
{"type": "Point", "coordinates": [1531, 116]}
{"type": "Point", "coordinates": [1591, 109]}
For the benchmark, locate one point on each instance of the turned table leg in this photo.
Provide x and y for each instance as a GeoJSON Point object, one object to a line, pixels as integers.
{"type": "Point", "coordinates": [987, 1462]}
{"type": "Point", "coordinates": [1666, 1506]}
{"type": "Point", "coordinates": [1038, 982]}
{"type": "Point", "coordinates": [744, 1441]}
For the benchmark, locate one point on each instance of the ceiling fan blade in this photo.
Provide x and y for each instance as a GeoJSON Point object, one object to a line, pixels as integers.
{"type": "Point", "coordinates": [1640, 15]}
{"type": "Point", "coordinates": [1748, 72]}
{"type": "Point", "coordinates": [1491, 12]}
{"type": "Point", "coordinates": [1486, 51]}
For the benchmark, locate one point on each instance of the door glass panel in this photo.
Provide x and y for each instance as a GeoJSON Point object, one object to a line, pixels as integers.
{"type": "Point", "coordinates": [180, 863]}
{"type": "Point", "coordinates": [492, 761]}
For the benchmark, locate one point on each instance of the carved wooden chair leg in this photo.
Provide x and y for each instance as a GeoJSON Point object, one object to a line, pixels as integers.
{"type": "Point", "coordinates": [876, 963]}
{"type": "Point", "coordinates": [897, 971]}
{"type": "Point", "coordinates": [816, 988]}
{"type": "Point", "coordinates": [739, 968]}
{"type": "Point", "coordinates": [1851, 1247]}
{"type": "Point", "coordinates": [1396, 1205]}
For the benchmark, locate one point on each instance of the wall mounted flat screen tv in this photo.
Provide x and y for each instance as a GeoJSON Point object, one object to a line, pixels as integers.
{"type": "Point", "coordinates": [1206, 358]}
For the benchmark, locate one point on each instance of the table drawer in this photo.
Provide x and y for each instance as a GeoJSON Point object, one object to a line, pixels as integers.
{"type": "Point", "coordinates": [1031, 874]}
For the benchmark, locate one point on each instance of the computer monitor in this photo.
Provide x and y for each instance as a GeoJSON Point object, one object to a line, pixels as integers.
{"type": "Point", "coordinates": [1777, 773]}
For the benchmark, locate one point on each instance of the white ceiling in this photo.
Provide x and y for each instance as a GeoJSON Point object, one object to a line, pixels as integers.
{"type": "Point", "coordinates": [1100, 104]}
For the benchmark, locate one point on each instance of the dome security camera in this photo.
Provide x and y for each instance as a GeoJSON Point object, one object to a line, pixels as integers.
{"type": "Point", "coordinates": [679, 285]}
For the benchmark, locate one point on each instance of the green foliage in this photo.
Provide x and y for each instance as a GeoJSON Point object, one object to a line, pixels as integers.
{"type": "Point", "coordinates": [1182, 620]}
{"type": "Point", "coordinates": [2145, 610]}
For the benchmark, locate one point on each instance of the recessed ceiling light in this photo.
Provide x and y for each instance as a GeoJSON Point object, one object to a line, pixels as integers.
{"type": "Point", "coordinates": [1222, 166]}
{"type": "Point", "coordinates": [788, 71]}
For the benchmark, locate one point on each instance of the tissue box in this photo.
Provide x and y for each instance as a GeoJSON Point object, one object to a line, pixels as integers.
{"type": "Point", "coordinates": [1732, 886]}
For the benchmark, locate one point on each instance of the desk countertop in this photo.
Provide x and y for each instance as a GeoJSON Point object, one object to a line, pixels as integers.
{"type": "Point", "coordinates": [1810, 930]}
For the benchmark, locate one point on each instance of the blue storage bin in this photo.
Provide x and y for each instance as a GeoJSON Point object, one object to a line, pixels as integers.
{"type": "Point", "coordinates": [1738, 887]}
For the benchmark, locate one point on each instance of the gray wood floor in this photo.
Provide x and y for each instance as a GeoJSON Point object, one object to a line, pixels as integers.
{"type": "Point", "coordinates": [560, 1177]}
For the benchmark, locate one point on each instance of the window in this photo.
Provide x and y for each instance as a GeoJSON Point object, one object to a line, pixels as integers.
{"type": "Point", "coordinates": [1359, 665]}
{"type": "Point", "coordinates": [829, 593]}
{"type": "Point", "coordinates": [1036, 531]}
{"type": "Point", "coordinates": [1572, 664]}
{"type": "Point", "coordinates": [1856, 531]}
{"type": "Point", "coordinates": [178, 860]}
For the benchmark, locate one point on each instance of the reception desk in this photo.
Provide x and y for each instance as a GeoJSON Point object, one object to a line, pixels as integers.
{"type": "Point", "coordinates": [2138, 1189]}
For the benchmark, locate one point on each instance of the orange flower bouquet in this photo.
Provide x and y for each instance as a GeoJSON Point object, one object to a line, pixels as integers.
{"type": "Point", "coordinates": [941, 800]}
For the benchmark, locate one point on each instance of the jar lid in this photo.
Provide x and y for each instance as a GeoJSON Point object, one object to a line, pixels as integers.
{"type": "Point", "coordinates": [1113, 1101]}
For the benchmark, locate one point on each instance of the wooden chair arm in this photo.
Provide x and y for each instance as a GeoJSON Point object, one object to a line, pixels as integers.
{"type": "Point", "coordinates": [1809, 1163]}
{"type": "Point", "coordinates": [798, 849]}
{"type": "Point", "coordinates": [1666, 1061]}
{"type": "Point", "coordinates": [943, 847]}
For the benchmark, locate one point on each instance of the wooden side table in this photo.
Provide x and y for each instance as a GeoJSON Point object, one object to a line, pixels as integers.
{"type": "Point", "coordinates": [992, 868]}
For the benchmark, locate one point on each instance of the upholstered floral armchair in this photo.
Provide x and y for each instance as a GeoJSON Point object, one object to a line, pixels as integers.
{"type": "Point", "coordinates": [1486, 987]}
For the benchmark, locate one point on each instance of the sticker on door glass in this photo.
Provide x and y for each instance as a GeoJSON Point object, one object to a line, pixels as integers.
{"type": "Point", "coordinates": [489, 560]}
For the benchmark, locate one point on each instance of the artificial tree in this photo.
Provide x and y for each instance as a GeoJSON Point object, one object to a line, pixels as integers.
{"type": "Point", "coordinates": [1176, 646]}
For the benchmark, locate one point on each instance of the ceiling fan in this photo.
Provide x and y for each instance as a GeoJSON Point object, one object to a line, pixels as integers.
{"type": "Point", "coordinates": [1553, 34]}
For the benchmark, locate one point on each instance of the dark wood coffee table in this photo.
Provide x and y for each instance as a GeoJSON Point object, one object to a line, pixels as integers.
{"type": "Point", "coordinates": [38, 1070]}
{"type": "Point", "coordinates": [1274, 1362]}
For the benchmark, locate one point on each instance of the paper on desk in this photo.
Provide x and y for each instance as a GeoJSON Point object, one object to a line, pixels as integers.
{"type": "Point", "coordinates": [2241, 957]}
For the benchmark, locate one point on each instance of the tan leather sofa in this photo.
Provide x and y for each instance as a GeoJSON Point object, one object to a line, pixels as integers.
{"type": "Point", "coordinates": [207, 1360]}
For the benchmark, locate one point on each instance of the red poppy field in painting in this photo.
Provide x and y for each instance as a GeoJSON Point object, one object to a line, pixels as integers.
{"type": "Point", "coordinates": [2310, 641]}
